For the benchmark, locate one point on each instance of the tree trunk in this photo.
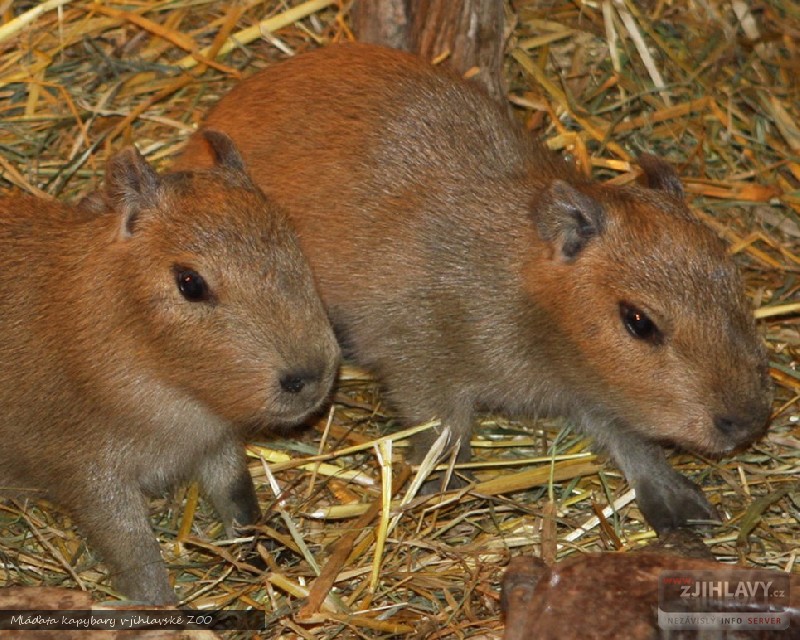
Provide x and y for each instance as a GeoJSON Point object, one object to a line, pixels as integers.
{"type": "Point", "coordinates": [468, 34]}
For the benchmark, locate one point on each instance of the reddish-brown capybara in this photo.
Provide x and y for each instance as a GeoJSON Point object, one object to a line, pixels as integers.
{"type": "Point", "coordinates": [471, 268]}
{"type": "Point", "coordinates": [139, 345]}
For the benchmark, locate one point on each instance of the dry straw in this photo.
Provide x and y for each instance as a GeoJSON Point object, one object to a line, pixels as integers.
{"type": "Point", "coordinates": [346, 549]}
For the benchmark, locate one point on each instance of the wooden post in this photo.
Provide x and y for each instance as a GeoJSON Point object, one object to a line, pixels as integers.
{"type": "Point", "coordinates": [468, 34]}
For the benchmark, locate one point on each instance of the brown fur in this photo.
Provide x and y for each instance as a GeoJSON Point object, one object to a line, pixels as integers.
{"type": "Point", "coordinates": [472, 269]}
{"type": "Point", "coordinates": [114, 386]}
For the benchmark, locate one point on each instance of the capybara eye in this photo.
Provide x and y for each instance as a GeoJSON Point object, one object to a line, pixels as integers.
{"type": "Point", "coordinates": [191, 284]}
{"type": "Point", "coordinates": [639, 324]}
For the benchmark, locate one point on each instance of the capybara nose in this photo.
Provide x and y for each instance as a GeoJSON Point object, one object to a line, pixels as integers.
{"type": "Point", "coordinates": [294, 382]}
{"type": "Point", "coordinates": [306, 381]}
{"type": "Point", "coordinates": [745, 426]}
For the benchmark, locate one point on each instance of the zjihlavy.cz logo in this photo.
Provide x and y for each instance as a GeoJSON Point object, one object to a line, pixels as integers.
{"type": "Point", "coordinates": [723, 599]}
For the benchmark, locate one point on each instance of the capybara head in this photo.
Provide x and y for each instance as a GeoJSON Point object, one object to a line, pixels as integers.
{"type": "Point", "coordinates": [224, 306]}
{"type": "Point", "coordinates": [657, 332]}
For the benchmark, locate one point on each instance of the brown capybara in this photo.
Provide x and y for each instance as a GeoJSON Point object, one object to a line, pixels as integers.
{"type": "Point", "coordinates": [138, 346]}
{"type": "Point", "coordinates": [472, 269]}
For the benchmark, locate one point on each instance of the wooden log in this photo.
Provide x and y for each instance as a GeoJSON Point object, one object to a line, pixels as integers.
{"type": "Point", "coordinates": [596, 596]}
{"type": "Point", "coordinates": [467, 34]}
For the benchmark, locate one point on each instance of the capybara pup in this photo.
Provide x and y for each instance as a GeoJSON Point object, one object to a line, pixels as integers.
{"type": "Point", "coordinates": [472, 269]}
{"type": "Point", "coordinates": [139, 345]}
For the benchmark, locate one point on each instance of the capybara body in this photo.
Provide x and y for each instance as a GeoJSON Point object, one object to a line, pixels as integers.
{"type": "Point", "coordinates": [141, 342]}
{"type": "Point", "coordinates": [472, 269]}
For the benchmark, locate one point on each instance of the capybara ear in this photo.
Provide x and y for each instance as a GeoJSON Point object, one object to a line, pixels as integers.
{"type": "Point", "coordinates": [660, 175]}
{"type": "Point", "coordinates": [226, 154]}
{"type": "Point", "coordinates": [568, 218]}
{"type": "Point", "coordinates": [132, 186]}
